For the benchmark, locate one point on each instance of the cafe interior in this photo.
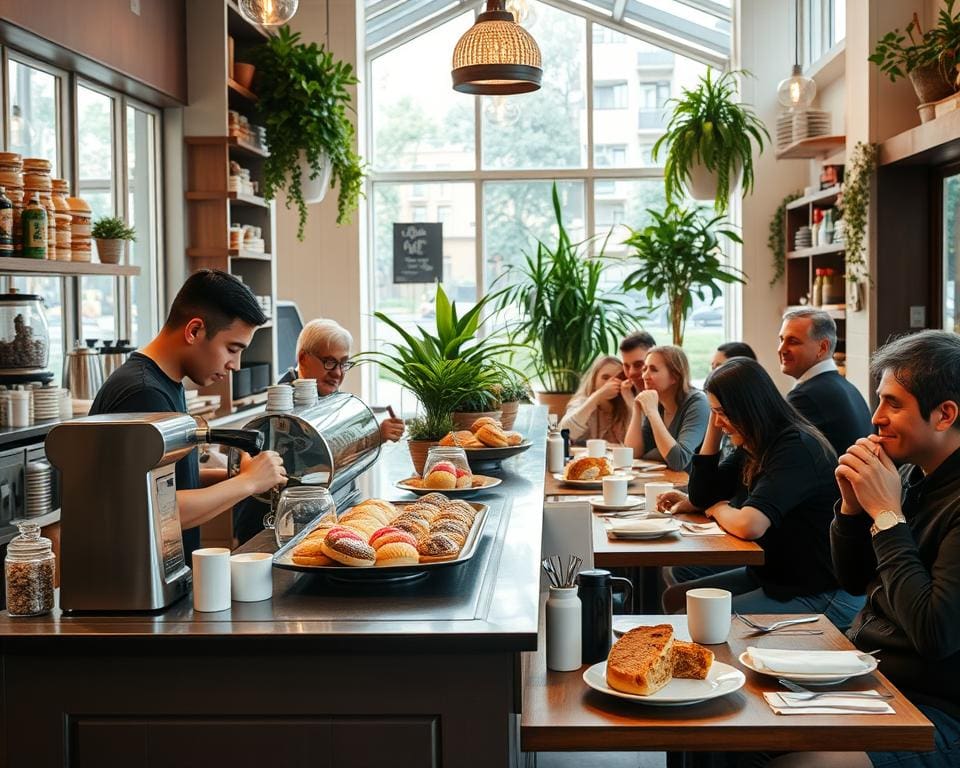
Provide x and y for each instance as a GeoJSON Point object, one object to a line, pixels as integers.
{"type": "Point", "coordinates": [480, 383]}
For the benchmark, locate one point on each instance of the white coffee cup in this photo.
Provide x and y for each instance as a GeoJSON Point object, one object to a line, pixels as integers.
{"type": "Point", "coordinates": [709, 613]}
{"type": "Point", "coordinates": [596, 449]}
{"type": "Point", "coordinates": [615, 490]}
{"type": "Point", "coordinates": [622, 457]}
{"type": "Point", "coordinates": [211, 579]}
{"type": "Point", "coordinates": [251, 577]}
{"type": "Point", "coordinates": [652, 490]}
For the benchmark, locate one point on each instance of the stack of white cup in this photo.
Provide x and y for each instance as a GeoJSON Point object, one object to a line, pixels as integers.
{"type": "Point", "coordinates": [304, 393]}
{"type": "Point", "coordinates": [280, 398]}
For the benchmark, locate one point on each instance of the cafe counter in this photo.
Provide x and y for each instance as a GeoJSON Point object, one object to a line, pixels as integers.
{"type": "Point", "coordinates": [325, 673]}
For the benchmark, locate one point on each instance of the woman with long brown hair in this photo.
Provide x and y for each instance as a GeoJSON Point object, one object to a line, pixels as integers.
{"type": "Point", "coordinates": [598, 410]}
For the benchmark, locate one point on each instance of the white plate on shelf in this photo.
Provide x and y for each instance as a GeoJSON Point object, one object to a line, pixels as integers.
{"type": "Point", "coordinates": [591, 483]}
{"type": "Point", "coordinates": [811, 678]}
{"type": "Point", "coordinates": [633, 502]}
{"type": "Point", "coordinates": [641, 530]}
{"type": "Point", "coordinates": [722, 679]}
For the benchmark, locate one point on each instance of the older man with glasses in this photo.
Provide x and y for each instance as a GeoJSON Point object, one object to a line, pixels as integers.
{"type": "Point", "coordinates": [323, 353]}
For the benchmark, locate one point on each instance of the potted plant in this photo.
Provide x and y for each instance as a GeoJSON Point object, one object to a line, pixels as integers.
{"type": "Point", "coordinates": [679, 255]}
{"type": "Point", "coordinates": [111, 235]}
{"type": "Point", "coordinates": [513, 390]}
{"type": "Point", "coordinates": [928, 58]}
{"type": "Point", "coordinates": [566, 319]}
{"type": "Point", "coordinates": [483, 402]}
{"type": "Point", "coordinates": [303, 103]}
{"type": "Point", "coordinates": [709, 142]}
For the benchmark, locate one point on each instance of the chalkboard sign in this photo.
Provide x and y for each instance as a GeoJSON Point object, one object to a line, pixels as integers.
{"type": "Point", "coordinates": [417, 253]}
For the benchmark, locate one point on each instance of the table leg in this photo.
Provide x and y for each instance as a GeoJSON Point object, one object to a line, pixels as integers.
{"type": "Point", "coordinates": [650, 590]}
{"type": "Point", "coordinates": [676, 759]}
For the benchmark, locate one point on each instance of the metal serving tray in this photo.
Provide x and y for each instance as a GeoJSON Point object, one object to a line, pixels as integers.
{"type": "Point", "coordinates": [489, 458]}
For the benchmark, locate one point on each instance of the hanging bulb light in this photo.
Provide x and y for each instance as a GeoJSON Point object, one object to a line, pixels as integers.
{"type": "Point", "coordinates": [496, 56]}
{"type": "Point", "coordinates": [501, 111]}
{"type": "Point", "coordinates": [269, 13]}
{"type": "Point", "coordinates": [797, 91]}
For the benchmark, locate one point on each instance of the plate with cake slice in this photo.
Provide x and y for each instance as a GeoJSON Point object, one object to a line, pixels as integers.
{"type": "Point", "coordinates": [721, 680]}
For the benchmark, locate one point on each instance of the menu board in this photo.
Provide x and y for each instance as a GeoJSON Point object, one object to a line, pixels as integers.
{"type": "Point", "coordinates": [418, 253]}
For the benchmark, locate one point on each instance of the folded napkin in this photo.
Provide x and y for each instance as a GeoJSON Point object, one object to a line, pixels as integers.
{"type": "Point", "coordinates": [807, 662]}
{"type": "Point", "coordinates": [647, 525]}
{"type": "Point", "coordinates": [838, 704]}
{"type": "Point", "coordinates": [701, 529]}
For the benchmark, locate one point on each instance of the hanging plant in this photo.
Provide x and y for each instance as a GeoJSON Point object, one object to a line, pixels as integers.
{"type": "Point", "coordinates": [777, 239]}
{"type": "Point", "coordinates": [854, 203]}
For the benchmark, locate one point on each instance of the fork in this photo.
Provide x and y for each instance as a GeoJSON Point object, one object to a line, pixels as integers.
{"type": "Point", "coordinates": [795, 688]}
{"type": "Point", "coordinates": [777, 624]}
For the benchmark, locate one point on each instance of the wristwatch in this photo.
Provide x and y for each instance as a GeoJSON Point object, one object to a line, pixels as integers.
{"type": "Point", "coordinates": [886, 520]}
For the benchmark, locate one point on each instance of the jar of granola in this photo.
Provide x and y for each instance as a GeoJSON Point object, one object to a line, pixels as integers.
{"type": "Point", "coordinates": [29, 570]}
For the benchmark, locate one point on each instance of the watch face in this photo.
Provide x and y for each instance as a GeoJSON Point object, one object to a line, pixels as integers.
{"type": "Point", "coordinates": [886, 519]}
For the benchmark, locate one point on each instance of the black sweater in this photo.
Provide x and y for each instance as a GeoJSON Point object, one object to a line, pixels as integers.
{"type": "Point", "coordinates": [835, 407]}
{"type": "Point", "coordinates": [911, 576]}
{"type": "Point", "coordinates": [796, 490]}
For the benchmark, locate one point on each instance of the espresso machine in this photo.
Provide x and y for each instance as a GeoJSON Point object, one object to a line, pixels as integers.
{"type": "Point", "coordinates": [121, 547]}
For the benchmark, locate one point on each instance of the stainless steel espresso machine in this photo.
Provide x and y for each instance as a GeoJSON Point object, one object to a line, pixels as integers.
{"type": "Point", "coordinates": [120, 532]}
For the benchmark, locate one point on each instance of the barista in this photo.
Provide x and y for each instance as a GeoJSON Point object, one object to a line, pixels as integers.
{"type": "Point", "coordinates": [211, 321]}
{"type": "Point", "coordinates": [323, 353]}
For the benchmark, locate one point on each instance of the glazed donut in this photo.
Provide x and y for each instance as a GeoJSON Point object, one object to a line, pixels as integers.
{"type": "Point", "coordinates": [391, 535]}
{"type": "Point", "coordinates": [484, 421]}
{"type": "Point", "coordinates": [398, 553]}
{"type": "Point", "coordinates": [492, 436]}
{"type": "Point", "coordinates": [310, 552]}
{"type": "Point", "coordinates": [349, 551]}
{"type": "Point", "coordinates": [436, 547]}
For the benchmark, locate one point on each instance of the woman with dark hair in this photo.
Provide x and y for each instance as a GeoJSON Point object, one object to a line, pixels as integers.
{"type": "Point", "coordinates": [777, 488]}
{"type": "Point", "coordinates": [731, 349]}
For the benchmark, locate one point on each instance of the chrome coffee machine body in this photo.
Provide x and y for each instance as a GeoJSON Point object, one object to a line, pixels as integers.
{"type": "Point", "coordinates": [121, 547]}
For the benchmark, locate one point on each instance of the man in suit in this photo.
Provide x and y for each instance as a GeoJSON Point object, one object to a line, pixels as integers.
{"type": "Point", "coordinates": [808, 338]}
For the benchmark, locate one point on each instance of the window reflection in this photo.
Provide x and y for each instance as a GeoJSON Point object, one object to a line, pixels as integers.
{"type": "Point", "coordinates": [33, 117]}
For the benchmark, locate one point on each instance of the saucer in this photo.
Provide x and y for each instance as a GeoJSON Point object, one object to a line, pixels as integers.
{"type": "Point", "coordinates": [633, 502]}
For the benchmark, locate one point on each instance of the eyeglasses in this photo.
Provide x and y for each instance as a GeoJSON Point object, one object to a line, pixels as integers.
{"type": "Point", "coordinates": [331, 363]}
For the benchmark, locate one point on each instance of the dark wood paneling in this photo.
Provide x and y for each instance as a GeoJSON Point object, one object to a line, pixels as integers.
{"type": "Point", "coordinates": [150, 48]}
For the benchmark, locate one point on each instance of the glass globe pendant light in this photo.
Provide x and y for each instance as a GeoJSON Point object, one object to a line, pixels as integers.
{"type": "Point", "coordinates": [269, 13]}
{"type": "Point", "coordinates": [797, 91]}
{"type": "Point", "coordinates": [496, 56]}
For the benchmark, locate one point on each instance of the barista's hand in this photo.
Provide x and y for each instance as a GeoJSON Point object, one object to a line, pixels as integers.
{"type": "Point", "coordinates": [391, 429]}
{"type": "Point", "coordinates": [263, 471]}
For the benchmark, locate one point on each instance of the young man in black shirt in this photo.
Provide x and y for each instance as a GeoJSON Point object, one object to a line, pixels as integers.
{"type": "Point", "coordinates": [211, 321]}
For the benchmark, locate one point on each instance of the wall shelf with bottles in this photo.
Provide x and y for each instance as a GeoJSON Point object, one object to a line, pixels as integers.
{"type": "Point", "coordinates": [12, 264]}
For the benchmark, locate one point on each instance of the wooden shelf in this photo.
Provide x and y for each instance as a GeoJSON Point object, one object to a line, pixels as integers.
{"type": "Point", "coordinates": [248, 402]}
{"type": "Point", "coordinates": [247, 149]}
{"type": "Point", "coordinates": [44, 267]}
{"type": "Point", "coordinates": [836, 311]}
{"type": "Point", "coordinates": [223, 253]}
{"type": "Point", "coordinates": [828, 195]}
{"type": "Point", "coordinates": [809, 149]}
{"type": "Point", "coordinates": [820, 250]}
{"type": "Point", "coordinates": [238, 89]}
{"type": "Point", "coordinates": [239, 253]}
{"type": "Point", "coordinates": [236, 197]}
{"type": "Point", "coordinates": [936, 142]}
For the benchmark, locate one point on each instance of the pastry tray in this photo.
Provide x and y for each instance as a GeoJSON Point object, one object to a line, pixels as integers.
{"type": "Point", "coordinates": [283, 558]}
{"type": "Point", "coordinates": [490, 458]}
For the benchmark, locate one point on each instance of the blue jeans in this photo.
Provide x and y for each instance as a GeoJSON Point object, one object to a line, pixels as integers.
{"type": "Point", "coordinates": [748, 597]}
{"type": "Point", "coordinates": [946, 752]}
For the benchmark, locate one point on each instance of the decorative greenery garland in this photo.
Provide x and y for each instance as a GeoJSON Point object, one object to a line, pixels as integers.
{"type": "Point", "coordinates": [777, 239]}
{"type": "Point", "coordinates": [854, 203]}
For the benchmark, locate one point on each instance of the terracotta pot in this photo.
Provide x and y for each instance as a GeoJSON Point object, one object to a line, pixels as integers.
{"type": "Point", "coordinates": [930, 84]}
{"type": "Point", "coordinates": [556, 402]}
{"type": "Point", "coordinates": [509, 414]}
{"type": "Point", "coordinates": [243, 73]}
{"type": "Point", "coordinates": [110, 251]}
{"type": "Point", "coordinates": [314, 190]}
{"type": "Point", "coordinates": [418, 452]}
{"type": "Point", "coordinates": [464, 419]}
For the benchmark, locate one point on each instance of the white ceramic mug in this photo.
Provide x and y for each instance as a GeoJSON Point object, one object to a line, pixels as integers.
{"type": "Point", "coordinates": [251, 577]}
{"type": "Point", "coordinates": [709, 612]}
{"type": "Point", "coordinates": [596, 449]}
{"type": "Point", "coordinates": [615, 490]}
{"type": "Point", "coordinates": [622, 457]}
{"type": "Point", "coordinates": [652, 490]}
{"type": "Point", "coordinates": [211, 579]}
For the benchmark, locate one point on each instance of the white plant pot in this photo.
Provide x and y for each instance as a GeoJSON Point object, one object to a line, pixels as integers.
{"type": "Point", "coordinates": [314, 190]}
{"type": "Point", "coordinates": [702, 184]}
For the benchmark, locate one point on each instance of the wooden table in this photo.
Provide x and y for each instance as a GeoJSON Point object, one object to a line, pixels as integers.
{"type": "Point", "coordinates": [554, 487]}
{"type": "Point", "coordinates": [560, 713]}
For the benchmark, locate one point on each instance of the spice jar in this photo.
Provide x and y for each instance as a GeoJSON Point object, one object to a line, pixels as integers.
{"type": "Point", "coordinates": [29, 571]}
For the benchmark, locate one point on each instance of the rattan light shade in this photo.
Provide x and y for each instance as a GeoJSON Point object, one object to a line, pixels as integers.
{"type": "Point", "coordinates": [496, 56]}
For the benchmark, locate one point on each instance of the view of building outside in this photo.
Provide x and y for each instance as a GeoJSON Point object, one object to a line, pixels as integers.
{"type": "Point", "coordinates": [489, 180]}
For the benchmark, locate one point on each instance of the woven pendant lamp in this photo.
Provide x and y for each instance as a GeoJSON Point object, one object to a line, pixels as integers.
{"type": "Point", "coordinates": [496, 56]}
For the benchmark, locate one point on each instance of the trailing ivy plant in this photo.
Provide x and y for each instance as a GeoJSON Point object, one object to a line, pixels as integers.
{"type": "Point", "coordinates": [303, 103]}
{"type": "Point", "coordinates": [710, 127]}
{"type": "Point", "coordinates": [777, 239]}
{"type": "Point", "coordinates": [854, 203]}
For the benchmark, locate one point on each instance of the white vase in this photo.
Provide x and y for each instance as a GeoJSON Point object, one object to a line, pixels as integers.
{"type": "Point", "coordinates": [563, 630]}
{"type": "Point", "coordinates": [314, 190]}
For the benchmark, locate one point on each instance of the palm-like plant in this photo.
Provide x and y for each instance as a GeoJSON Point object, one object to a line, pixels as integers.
{"type": "Point", "coordinates": [710, 128]}
{"type": "Point", "coordinates": [566, 319]}
{"type": "Point", "coordinates": [678, 256]}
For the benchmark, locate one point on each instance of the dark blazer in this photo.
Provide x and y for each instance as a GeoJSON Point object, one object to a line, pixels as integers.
{"type": "Point", "coordinates": [835, 407]}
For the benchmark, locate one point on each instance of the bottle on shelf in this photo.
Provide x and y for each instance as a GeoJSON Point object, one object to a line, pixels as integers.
{"type": "Point", "coordinates": [6, 224]}
{"type": "Point", "coordinates": [826, 228]}
{"type": "Point", "coordinates": [816, 298]}
{"type": "Point", "coordinates": [34, 223]}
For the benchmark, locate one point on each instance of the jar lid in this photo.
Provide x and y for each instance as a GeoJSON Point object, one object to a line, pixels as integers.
{"type": "Point", "coordinates": [596, 577]}
{"type": "Point", "coordinates": [29, 542]}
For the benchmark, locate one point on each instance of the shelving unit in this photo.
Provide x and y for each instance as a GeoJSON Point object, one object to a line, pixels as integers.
{"type": "Point", "coordinates": [211, 207]}
{"type": "Point", "coordinates": [812, 148]}
{"type": "Point", "coordinates": [21, 266]}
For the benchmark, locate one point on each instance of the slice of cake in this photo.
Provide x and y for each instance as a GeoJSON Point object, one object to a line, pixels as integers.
{"type": "Point", "coordinates": [640, 661]}
{"type": "Point", "coordinates": [690, 661]}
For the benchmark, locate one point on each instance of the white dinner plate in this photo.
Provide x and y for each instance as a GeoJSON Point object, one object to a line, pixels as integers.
{"type": "Point", "coordinates": [598, 483]}
{"type": "Point", "coordinates": [648, 466]}
{"type": "Point", "coordinates": [812, 678]}
{"type": "Point", "coordinates": [721, 680]}
{"type": "Point", "coordinates": [633, 502]}
{"type": "Point", "coordinates": [491, 482]}
{"type": "Point", "coordinates": [655, 528]}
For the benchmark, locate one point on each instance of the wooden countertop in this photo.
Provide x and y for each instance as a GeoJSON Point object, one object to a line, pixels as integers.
{"type": "Point", "coordinates": [490, 603]}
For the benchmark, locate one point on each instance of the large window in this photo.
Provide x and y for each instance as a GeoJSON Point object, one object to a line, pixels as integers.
{"type": "Point", "coordinates": [824, 25]}
{"type": "Point", "coordinates": [498, 157]}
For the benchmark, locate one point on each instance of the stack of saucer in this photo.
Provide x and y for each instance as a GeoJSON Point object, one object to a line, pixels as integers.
{"type": "Point", "coordinates": [39, 486]}
{"type": "Point", "coordinates": [803, 238]}
{"type": "Point", "coordinates": [280, 398]}
{"type": "Point", "coordinates": [46, 403]}
{"type": "Point", "coordinates": [304, 392]}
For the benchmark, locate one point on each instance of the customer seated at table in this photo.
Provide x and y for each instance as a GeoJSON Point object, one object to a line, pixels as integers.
{"type": "Point", "coordinates": [731, 349]}
{"type": "Point", "coordinates": [598, 409]}
{"type": "Point", "coordinates": [777, 489]}
{"type": "Point", "coordinates": [633, 355]}
{"type": "Point", "coordinates": [669, 416]}
{"type": "Point", "coordinates": [896, 538]}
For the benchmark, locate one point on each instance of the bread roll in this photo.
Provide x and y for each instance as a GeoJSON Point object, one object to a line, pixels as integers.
{"type": "Point", "coordinates": [690, 661]}
{"type": "Point", "coordinates": [485, 421]}
{"type": "Point", "coordinates": [640, 662]}
{"type": "Point", "coordinates": [587, 468]}
{"type": "Point", "coordinates": [492, 436]}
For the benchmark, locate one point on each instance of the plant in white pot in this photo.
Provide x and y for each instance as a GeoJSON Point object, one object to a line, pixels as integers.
{"type": "Point", "coordinates": [303, 103]}
{"type": "Point", "coordinates": [112, 235]}
{"type": "Point", "coordinates": [709, 142]}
